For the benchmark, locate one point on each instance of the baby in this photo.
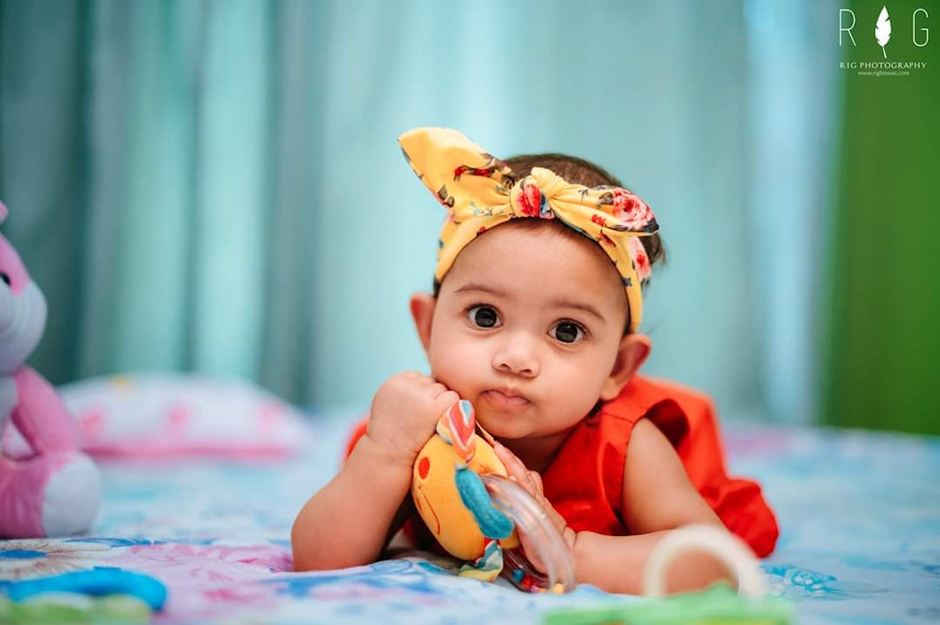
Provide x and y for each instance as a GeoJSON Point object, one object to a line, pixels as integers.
{"type": "Point", "coordinates": [534, 316]}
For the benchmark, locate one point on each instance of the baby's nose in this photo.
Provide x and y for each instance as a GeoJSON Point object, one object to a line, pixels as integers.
{"type": "Point", "coordinates": [518, 356]}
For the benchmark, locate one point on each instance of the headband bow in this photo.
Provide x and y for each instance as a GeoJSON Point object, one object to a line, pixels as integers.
{"type": "Point", "coordinates": [480, 192]}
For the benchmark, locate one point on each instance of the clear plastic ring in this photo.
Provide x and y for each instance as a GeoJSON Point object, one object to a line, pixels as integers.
{"type": "Point", "coordinates": [532, 520]}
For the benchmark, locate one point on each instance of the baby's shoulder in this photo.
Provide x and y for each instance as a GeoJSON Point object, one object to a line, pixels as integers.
{"type": "Point", "coordinates": [674, 408]}
{"type": "Point", "coordinates": [643, 391]}
{"type": "Point", "coordinates": [644, 396]}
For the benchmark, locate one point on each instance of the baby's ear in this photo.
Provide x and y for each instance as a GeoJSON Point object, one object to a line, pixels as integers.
{"type": "Point", "coordinates": [632, 353]}
{"type": "Point", "coordinates": [422, 311]}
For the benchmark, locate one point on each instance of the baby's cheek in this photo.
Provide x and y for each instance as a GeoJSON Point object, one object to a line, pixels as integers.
{"type": "Point", "coordinates": [457, 370]}
{"type": "Point", "coordinates": [572, 388]}
{"type": "Point", "coordinates": [570, 401]}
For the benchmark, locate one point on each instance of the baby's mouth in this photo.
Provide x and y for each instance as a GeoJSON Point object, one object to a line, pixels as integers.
{"type": "Point", "coordinates": [505, 400]}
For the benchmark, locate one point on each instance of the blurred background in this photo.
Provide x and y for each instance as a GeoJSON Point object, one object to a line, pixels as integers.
{"type": "Point", "coordinates": [215, 186]}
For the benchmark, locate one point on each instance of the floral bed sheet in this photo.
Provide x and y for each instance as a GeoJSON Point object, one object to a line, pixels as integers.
{"type": "Point", "coordinates": [860, 514]}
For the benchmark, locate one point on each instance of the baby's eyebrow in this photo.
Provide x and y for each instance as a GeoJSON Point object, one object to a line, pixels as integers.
{"type": "Point", "coordinates": [467, 288]}
{"type": "Point", "coordinates": [567, 303]}
{"type": "Point", "coordinates": [555, 303]}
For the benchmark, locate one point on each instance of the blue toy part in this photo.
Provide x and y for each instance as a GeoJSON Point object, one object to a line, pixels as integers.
{"type": "Point", "coordinates": [493, 523]}
{"type": "Point", "coordinates": [97, 582]}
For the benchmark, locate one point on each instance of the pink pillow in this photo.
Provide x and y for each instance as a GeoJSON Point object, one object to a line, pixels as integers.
{"type": "Point", "coordinates": [157, 415]}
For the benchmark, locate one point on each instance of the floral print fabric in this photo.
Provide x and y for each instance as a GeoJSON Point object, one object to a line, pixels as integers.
{"type": "Point", "coordinates": [858, 513]}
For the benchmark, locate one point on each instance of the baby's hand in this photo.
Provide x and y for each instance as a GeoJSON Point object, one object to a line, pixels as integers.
{"type": "Point", "coordinates": [532, 482]}
{"type": "Point", "coordinates": [404, 413]}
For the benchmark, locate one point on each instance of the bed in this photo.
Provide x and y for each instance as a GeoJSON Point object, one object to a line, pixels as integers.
{"type": "Point", "coordinates": [860, 514]}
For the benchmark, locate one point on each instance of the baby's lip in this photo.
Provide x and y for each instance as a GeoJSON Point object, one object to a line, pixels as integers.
{"type": "Point", "coordinates": [508, 395]}
{"type": "Point", "coordinates": [509, 391]}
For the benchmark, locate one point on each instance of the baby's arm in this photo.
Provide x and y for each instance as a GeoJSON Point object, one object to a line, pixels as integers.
{"type": "Point", "coordinates": [657, 497]}
{"type": "Point", "coordinates": [347, 522]}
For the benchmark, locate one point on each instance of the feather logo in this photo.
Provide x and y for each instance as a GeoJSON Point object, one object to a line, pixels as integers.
{"type": "Point", "coordinates": [883, 30]}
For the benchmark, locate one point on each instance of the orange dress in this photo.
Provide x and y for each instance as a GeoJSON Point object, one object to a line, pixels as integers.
{"type": "Point", "coordinates": [584, 482]}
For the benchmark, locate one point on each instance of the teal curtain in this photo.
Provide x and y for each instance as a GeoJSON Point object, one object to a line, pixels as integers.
{"type": "Point", "coordinates": [215, 185]}
{"type": "Point", "coordinates": [883, 302]}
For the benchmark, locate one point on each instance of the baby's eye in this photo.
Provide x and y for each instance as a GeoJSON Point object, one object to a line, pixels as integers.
{"type": "Point", "coordinates": [568, 332]}
{"type": "Point", "coordinates": [483, 316]}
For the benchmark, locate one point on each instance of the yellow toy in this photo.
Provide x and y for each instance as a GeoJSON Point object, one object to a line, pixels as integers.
{"type": "Point", "coordinates": [462, 492]}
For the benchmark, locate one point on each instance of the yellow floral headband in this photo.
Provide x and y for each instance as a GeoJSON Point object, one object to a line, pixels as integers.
{"type": "Point", "coordinates": [481, 192]}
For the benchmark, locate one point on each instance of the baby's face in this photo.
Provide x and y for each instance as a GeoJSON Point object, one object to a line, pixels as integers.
{"type": "Point", "coordinates": [527, 326]}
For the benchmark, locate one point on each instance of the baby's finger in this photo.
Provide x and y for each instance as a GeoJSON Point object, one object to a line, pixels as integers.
{"type": "Point", "coordinates": [551, 515]}
{"type": "Point", "coordinates": [537, 483]}
{"type": "Point", "coordinates": [533, 484]}
{"type": "Point", "coordinates": [514, 466]}
{"type": "Point", "coordinates": [436, 387]}
{"type": "Point", "coordinates": [445, 400]}
{"type": "Point", "coordinates": [531, 553]}
{"type": "Point", "coordinates": [437, 383]}
{"type": "Point", "coordinates": [558, 521]}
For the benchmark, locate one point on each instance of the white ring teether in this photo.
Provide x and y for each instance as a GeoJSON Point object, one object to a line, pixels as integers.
{"type": "Point", "coordinates": [729, 549]}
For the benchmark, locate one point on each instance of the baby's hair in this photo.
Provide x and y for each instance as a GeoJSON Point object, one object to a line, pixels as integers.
{"type": "Point", "coordinates": [577, 171]}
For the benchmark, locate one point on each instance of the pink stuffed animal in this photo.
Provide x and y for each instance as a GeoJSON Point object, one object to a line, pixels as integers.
{"type": "Point", "coordinates": [56, 490]}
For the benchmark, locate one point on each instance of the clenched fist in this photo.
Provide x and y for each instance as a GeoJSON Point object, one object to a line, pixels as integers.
{"type": "Point", "coordinates": [404, 413]}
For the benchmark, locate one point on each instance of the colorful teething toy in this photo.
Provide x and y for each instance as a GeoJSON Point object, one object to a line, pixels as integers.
{"type": "Point", "coordinates": [461, 490]}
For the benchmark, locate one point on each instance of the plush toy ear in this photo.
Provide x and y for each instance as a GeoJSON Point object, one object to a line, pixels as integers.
{"type": "Point", "coordinates": [3, 212]}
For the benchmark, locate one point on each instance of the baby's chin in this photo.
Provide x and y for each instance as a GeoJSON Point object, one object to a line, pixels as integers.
{"type": "Point", "coordinates": [505, 426]}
